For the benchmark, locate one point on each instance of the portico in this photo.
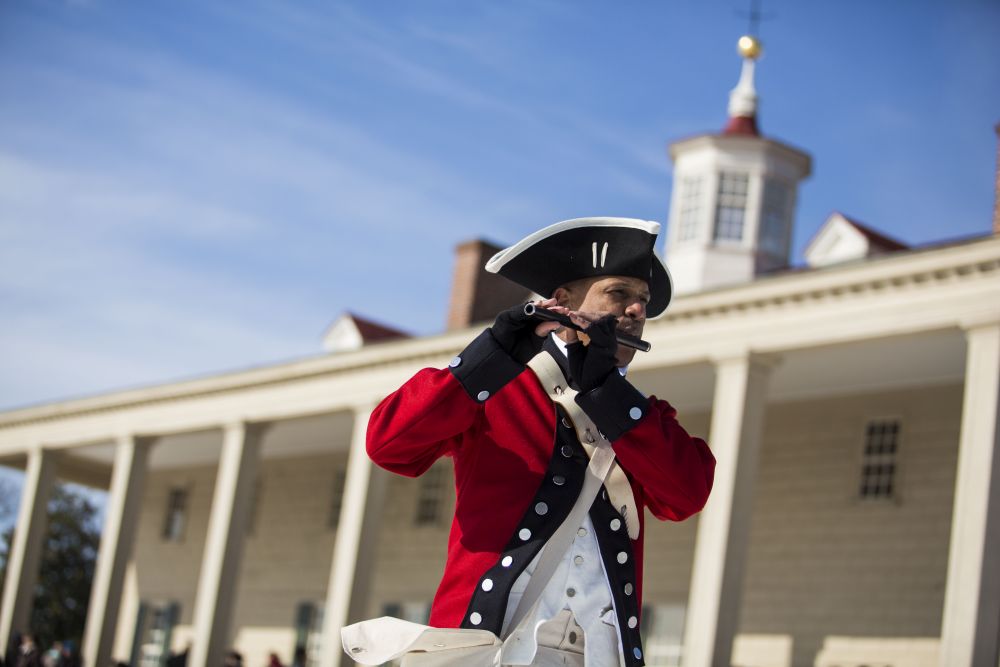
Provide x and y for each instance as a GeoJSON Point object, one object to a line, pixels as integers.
{"type": "Point", "coordinates": [918, 319]}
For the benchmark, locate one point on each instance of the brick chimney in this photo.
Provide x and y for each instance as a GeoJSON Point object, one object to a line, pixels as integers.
{"type": "Point", "coordinates": [476, 295]}
{"type": "Point", "coordinates": [996, 187]}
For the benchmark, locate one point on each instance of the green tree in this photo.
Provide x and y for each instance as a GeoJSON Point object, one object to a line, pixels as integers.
{"type": "Point", "coordinates": [67, 567]}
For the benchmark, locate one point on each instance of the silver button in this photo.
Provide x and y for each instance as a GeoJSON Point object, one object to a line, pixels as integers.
{"type": "Point", "coordinates": [565, 422]}
{"type": "Point", "coordinates": [635, 413]}
{"type": "Point", "coordinates": [483, 395]}
{"type": "Point", "coordinates": [487, 585]}
{"type": "Point", "coordinates": [628, 589]}
{"type": "Point", "coordinates": [524, 534]}
{"type": "Point", "coordinates": [541, 509]}
{"type": "Point", "coordinates": [578, 560]}
{"type": "Point", "coordinates": [558, 480]}
{"type": "Point", "coordinates": [622, 557]}
{"type": "Point", "coordinates": [616, 524]}
{"type": "Point", "coordinates": [455, 362]}
{"type": "Point", "coordinates": [508, 561]}
{"type": "Point", "coordinates": [566, 451]}
{"type": "Point", "coordinates": [637, 653]}
{"type": "Point", "coordinates": [632, 622]}
{"type": "Point", "coordinates": [582, 532]}
{"type": "Point", "coordinates": [475, 618]}
{"type": "Point", "coordinates": [570, 592]}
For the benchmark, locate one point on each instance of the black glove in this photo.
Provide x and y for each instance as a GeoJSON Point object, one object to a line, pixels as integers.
{"type": "Point", "coordinates": [515, 333]}
{"type": "Point", "coordinates": [591, 364]}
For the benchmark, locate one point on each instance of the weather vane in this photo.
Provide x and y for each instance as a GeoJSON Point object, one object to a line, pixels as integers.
{"type": "Point", "coordinates": [749, 45]}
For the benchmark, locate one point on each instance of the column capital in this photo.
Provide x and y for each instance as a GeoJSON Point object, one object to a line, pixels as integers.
{"type": "Point", "coordinates": [979, 322]}
{"type": "Point", "coordinates": [249, 428]}
{"type": "Point", "coordinates": [742, 354]}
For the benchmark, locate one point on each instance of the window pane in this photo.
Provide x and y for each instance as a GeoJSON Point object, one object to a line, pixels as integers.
{"type": "Point", "coordinates": [690, 201]}
{"type": "Point", "coordinates": [176, 514]}
{"type": "Point", "coordinates": [731, 208]}
{"type": "Point", "coordinates": [878, 466]}
{"type": "Point", "coordinates": [430, 496]}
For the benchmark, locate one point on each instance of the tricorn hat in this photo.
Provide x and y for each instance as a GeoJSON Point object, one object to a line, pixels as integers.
{"type": "Point", "coordinates": [587, 248]}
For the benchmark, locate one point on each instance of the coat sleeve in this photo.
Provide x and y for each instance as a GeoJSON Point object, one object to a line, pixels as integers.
{"type": "Point", "coordinates": [420, 422]}
{"type": "Point", "coordinates": [674, 470]}
{"type": "Point", "coordinates": [428, 416]}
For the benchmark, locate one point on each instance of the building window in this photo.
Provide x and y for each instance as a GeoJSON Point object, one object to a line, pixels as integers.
{"type": "Point", "coordinates": [663, 630]}
{"type": "Point", "coordinates": [878, 466]}
{"type": "Point", "coordinates": [308, 634]}
{"type": "Point", "coordinates": [430, 496]}
{"type": "Point", "coordinates": [774, 231]}
{"type": "Point", "coordinates": [154, 629]}
{"type": "Point", "coordinates": [690, 200]}
{"type": "Point", "coordinates": [731, 208]}
{"type": "Point", "coordinates": [176, 516]}
{"type": "Point", "coordinates": [337, 500]}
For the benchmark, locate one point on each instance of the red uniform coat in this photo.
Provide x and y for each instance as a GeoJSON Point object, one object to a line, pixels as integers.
{"type": "Point", "coordinates": [501, 448]}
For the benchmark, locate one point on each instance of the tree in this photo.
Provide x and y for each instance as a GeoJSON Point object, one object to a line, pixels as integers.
{"type": "Point", "coordinates": [67, 567]}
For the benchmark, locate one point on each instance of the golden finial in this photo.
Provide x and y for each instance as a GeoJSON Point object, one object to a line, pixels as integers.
{"type": "Point", "coordinates": [749, 47]}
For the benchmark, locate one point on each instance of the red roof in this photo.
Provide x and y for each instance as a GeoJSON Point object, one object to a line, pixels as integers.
{"type": "Point", "coordinates": [876, 238]}
{"type": "Point", "coordinates": [742, 125]}
{"type": "Point", "coordinates": [372, 332]}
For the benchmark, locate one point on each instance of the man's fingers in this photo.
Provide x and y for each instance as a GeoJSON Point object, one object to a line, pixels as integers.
{"type": "Point", "coordinates": [545, 328]}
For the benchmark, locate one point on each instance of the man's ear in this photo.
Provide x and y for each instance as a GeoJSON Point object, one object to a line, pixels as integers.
{"type": "Point", "coordinates": [562, 297]}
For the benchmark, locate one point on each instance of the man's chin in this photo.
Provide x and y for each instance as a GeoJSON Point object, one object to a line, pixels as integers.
{"type": "Point", "coordinates": [624, 355]}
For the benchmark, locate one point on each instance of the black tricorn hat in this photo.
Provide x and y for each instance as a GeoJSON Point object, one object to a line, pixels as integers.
{"type": "Point", "coordinates": [587, 248]}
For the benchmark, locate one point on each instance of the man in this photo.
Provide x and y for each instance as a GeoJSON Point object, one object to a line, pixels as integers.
{"type": "Point", "coordinates": [519, 464]}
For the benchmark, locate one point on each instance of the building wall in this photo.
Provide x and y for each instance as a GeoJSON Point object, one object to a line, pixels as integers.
{"type": "Point", "coordinates": [822, 562]}
{"type": "Point", "coordinates": [286, 560]}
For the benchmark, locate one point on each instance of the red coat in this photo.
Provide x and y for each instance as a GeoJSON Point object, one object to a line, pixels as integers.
{"type": "Point", "coordinates": [501, 449]}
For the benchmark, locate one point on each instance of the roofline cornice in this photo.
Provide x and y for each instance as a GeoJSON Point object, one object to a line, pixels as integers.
{"type": "Point", "coordinates": [887, 273]}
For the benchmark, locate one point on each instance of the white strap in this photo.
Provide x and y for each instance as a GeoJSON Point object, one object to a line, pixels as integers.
{"type": "Point", "coordinates": [601, 466]}
{"type": "Point", "coordinates": [619, 489]}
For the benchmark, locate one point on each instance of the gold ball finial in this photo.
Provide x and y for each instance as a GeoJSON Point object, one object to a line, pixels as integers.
{"type": "Point", "coordinates": [749, 47]}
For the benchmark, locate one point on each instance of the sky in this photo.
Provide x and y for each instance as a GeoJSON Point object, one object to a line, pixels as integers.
{"type": "Point", "coordinates": [195, 187]}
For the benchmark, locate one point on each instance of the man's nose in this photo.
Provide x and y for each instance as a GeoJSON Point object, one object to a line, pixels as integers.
{"type": "Point", "coordinates": [636, 310]}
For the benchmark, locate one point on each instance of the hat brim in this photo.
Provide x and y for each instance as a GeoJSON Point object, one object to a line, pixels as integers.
{"type": "Point", "coordinates": [579, 248]}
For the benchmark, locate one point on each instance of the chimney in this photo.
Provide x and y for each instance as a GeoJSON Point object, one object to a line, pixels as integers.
{"type": "Point", "coordinates": [477, 295]}
{"type": "Point", "coordinates": [996, 187]}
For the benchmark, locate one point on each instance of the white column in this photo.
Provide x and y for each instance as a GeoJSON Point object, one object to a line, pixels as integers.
{"type": "Point", "coordinates": [220, 563]}
{"type": "Point", "coordinates": [724, 524]}
{"type": "Point", "coordinates": [971, 619]}
{"type": "Point", "coordinates": [354, 550]}
{"type": "Point", "coordinates": [26, 549]}
{"type": "Point", "coordinates": [127, 616]}
{"type": "Point", "coordinates": [120, 521]}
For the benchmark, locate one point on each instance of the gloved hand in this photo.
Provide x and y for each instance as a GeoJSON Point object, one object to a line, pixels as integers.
{"type": "Point", "coordinates": [590, 365]}
{"type": "Point", "coordinates": [515, 333]}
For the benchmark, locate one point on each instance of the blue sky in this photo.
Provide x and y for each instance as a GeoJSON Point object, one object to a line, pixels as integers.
{"type": "Point", "coordinates": [190, 187]}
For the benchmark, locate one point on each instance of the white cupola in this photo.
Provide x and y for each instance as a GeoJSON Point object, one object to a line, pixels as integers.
{"type": "Point", "coordinates": [734, 196]}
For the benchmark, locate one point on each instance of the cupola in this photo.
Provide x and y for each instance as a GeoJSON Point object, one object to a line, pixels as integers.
{"type": "Point", "coordinates": [734, 195]}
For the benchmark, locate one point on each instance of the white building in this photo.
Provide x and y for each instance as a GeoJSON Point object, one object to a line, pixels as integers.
{"type": "Point", "coordinates": [852, 406]}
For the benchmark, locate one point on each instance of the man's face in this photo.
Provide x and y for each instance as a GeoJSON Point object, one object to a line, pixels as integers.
{"type": "Point", "coordinates": [624, 297]}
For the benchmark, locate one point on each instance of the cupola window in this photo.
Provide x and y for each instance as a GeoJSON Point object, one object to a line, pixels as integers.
{"type": "Point", "coordinates": [775, 220]}
{"type": "Point", "coordinates": [690, 204]}
{"type": "Point", "coordinates": [730, 211]}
